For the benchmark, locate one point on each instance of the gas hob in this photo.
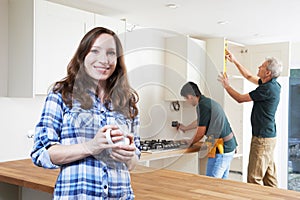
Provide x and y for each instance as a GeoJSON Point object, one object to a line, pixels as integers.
{"type": "Point", "coordinates": [152, 146]}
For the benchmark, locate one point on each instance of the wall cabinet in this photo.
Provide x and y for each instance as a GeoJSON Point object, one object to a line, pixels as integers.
{"type": "Point", "coordinates": [118, 26]}
{"type": "Point", "coordinates": [3, 47]}
{"type": "Point", "coordinates": [58, 31]}
{"type": "Point", "coordinates": [43, 37]}
{"type": "Point", "coordinates": [252, 57]}
{"type": "Point", "coordinates": [184, 61]}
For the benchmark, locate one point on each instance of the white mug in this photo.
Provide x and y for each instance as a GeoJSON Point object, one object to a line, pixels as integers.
{"type": "Point", "coordinates": [125, 141]}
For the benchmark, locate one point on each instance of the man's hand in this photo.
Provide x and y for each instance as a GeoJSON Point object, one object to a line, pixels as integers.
{"type": "Point", "coordinates": [229, 56]}
{"type": "Point", "coordinates": [222, 77]}
{"type": "Point", "coordinates": [181, 127]}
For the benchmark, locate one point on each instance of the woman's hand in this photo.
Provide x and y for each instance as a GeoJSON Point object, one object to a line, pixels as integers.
{"type": "Point", "coordinates": [99, 142]}
{"type": "Point", "coordinates": [126, 153]}
{"type": "Point", "coordinates": [62, 154]}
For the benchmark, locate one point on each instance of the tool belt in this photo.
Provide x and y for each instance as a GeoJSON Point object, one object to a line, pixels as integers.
{"type": "Point", "coordinates": [218, 145]}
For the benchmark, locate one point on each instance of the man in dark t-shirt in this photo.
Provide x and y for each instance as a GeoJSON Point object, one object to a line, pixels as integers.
{"type": "Point", "coordinates": [212, 122]}
{"type": "Point", "coordinates": [261, 167]}
{"type": "Point", "coordinates": [265, 101]}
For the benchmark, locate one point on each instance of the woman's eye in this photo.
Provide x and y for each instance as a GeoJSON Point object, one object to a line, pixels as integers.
{"type": "Point", "coordinates": [111, 53]}
{"type": "Point", "coordinates": [94, 51]}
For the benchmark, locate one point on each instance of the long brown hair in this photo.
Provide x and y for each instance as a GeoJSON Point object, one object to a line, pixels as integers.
{"type": "Point", "coordinates": [77, 83]}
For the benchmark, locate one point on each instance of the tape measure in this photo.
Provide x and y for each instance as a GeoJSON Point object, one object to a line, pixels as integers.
{"type": "Point", "coordinates": [225, 60]}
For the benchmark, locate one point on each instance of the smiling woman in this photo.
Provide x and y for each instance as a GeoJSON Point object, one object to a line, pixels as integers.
{"type": "Point", "coordinates": [77, 115]}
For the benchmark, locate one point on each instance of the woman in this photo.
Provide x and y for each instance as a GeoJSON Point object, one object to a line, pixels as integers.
{"type": "Point", "coordinates": [79, 112]}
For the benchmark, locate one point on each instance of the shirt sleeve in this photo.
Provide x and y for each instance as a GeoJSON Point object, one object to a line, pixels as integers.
{"type": "Point", "coordinates": [261, 93]}
{"type": "Point", "coordinates": [47, 131]}
{"type": "Point", "coordinates": [136, 125]}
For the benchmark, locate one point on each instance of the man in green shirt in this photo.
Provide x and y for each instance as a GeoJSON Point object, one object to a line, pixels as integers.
{"type": "Point", "coordinates": [212, 122]}
{"type": "Point", "coordinates": [261, 166]}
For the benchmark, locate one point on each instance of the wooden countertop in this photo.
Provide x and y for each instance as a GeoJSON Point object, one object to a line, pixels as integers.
{"type": "Point", "coordinates": [152, 184]}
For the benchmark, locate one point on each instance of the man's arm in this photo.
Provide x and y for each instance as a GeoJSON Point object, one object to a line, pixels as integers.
{"type": "Point", "coordinates": [243, 70]}
{"type": "Point", "coordinates": [201, 130]}
{"type": "Point", "coordinates": [240, 98]}
{"type": "Point", "coordinates": [191, 126]}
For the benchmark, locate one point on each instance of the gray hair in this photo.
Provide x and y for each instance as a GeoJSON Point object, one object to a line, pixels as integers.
{"type": "Point", "coordinates": [274, 66]}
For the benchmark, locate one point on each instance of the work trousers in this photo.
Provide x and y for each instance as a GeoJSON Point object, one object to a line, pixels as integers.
{"type": "Point", "coordinates": [261, 167]}
{"type": "Point", "coordinates": [219, 166]}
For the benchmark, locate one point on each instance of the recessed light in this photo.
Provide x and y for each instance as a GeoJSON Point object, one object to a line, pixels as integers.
{"type": "Point", "coordinates": [223, 22]}
{"type": "Point", "coordinates": [257, 35]}
{"type": "Point", "coordinates": [172, 5]}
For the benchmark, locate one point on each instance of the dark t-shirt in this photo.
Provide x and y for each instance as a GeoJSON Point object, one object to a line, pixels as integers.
{"type": "Point", "coordinates": [265, 101]}
{"type": "Point", "coordinates": [211, 115]}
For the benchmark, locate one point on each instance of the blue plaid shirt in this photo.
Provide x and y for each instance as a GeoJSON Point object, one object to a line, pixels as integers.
{"type": "Point", "coordinates": [94, 177]}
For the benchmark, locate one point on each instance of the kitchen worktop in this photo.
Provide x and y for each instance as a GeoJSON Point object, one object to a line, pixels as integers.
{"type": "Point", "coordinates": [151, 184]}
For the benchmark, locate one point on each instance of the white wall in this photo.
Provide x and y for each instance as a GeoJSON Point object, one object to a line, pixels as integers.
{"type": "Point", "coordinates": [18, 116]}
{"type": "Point", "coordinates": [144, 55]}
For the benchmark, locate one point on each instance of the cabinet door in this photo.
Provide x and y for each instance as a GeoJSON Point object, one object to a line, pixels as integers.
{"type": "Point", "coordinates": [115, 25]}
{"type": "Point", "coordinates": [197, 63]}
{"type": "Point", "coordinates": [184, 61]}
{"type": "Point", "coordinates": [58, 31]}
{"type": "Point", "coordinates": [175, 66]}
{"type": "Point", "coordinates": [214, 66]}
{"type": "Point", "coordinates": [258, 53]}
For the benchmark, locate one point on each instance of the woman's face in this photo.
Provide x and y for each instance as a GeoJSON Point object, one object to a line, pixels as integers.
{"type": "Point", "coordinates": [101, 61]}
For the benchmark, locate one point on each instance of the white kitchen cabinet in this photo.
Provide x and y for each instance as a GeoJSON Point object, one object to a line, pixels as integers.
{"type": "Point", "coordinates": [3, 47]}
{"type": "Point", "coordinates": [251, 57]}
{"type": "Point", "coordinates": [118, 26]}
{"type": "Point", "coordinates": [239, 119]}
{"type": "Point", "coordinates": [258, 53]}
{"type": "Point", "coordinates": [187, 162]}
{"type": "Point", "coordinates": [185, 59]}
{"type": "Point", "coordinates": [43, 36]}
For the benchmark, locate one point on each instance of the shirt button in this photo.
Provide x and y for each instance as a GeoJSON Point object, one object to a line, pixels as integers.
{"type": "Point", "coordinates": [105, 187]}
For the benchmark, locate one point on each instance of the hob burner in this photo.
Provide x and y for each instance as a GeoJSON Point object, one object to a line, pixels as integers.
{"type": "Point", "coordinates": [157, 145]}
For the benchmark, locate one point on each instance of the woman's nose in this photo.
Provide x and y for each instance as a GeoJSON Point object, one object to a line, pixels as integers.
{"type": "Point", "coordinates": [103, 57]}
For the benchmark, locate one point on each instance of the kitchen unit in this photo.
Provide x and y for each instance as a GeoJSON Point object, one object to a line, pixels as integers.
{"type": "Point", "coordinates": [174, 155]}
{"type": "Point", "coordinates": [150, 184]}
{"type": "Point", "coordinates": [42, 59]}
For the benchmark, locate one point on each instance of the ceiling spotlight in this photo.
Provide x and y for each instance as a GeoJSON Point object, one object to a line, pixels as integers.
{"type": "Point", "coordinates": [223, 22]}
{"type": "Point", "coordinates": [257, 35]}
{"type": "Point", "coordinates": [172, 5]}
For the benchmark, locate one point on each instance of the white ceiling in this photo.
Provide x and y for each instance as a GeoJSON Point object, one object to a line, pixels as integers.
{"type": "Point", "coordinates": [249, 22]}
